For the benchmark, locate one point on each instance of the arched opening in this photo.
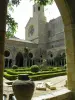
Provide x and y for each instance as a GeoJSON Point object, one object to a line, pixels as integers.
{"type": "Point", "coordinates": [67, 10]}
{"type": "Point", "coordinates": [6, 63]}
{"type": "Point", "coordinates": [60, 58]}
{"type": "Point", "coordinates": [8, 59]}
{"type": "Point", "coordinates": [19, 59]}
{"type": "Point", "coordinates": [10, 62]}
{"type": "Point", "coordinates": [6, 53]}
{"type": "Point", "coordinates": [30, 59]}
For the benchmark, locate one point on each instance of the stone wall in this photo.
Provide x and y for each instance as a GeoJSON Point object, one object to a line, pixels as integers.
{"type": "Point", "coordinates": [15, 46]}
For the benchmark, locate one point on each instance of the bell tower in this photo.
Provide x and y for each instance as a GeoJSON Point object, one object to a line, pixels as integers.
{"type": "Point", "coordinates": [35, 28]}
{"type": "Point", "coordinates": [38, 11]}
{"type": "Point", "coordinates": [40, 22]}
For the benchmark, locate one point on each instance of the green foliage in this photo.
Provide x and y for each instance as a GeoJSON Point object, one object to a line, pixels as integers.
{"type": "Point", "coordinates": [36, 76]}
{"type": "Point", "coordinates": [11, 25]}
{"type": "Point", "coordinates": [34, 68]}
{"type": "Point", "coordinates": [10, 77]}
{"type": "Point", "coordinates": [44, 2]}
{"type": "Point", "coordinates": [15, 72]}
{"type": "Point", "coordinates": [48, 72]}
{"type": "Point", "coordinates": [44, 68]}
{"type": "Point", "coordinates": [15, 67]}
{"type": "Point", "coordinates": [15, 2]}
{"type": "Point", "coordinates": [45, 76]}
{"type": "Point", "coordinates": [23, 69]}
{"type": "Point", "coordinates": [11, 72]}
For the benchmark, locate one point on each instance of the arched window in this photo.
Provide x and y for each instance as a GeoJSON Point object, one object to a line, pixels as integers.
{"type": "Point", "coordinates": [51, 55]}
{"type": "Point", "coordinates": [19, 59]}
{"type": "Point", "coordinates": [6, 53]}
{"type": "Point", "coordinates": [39, 8]}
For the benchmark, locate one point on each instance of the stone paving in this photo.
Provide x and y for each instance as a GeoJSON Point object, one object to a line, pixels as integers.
{"type": "Point", "coordinates": [58, 82]}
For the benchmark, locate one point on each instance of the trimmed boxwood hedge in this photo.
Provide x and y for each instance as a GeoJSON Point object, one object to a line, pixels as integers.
{"type": "Point", "coordinates": [45, 76]}
{"type": "Point", "coordinates": [35, 77]}
{"type": "Point", "coordinates": [10, 77]}
{"type": "Point", "coordinates": [48, 72]}
{"type": "Point", "coordinates": [22, 69]}
{"type": "Point", "coordinates": [12, 72]}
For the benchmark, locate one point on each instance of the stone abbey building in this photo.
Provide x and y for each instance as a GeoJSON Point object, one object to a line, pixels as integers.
{"type": "Point", "coordinates": [45, 40]}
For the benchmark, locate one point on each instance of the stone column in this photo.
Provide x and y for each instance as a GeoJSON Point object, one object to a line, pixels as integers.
{"type": "Point", "coordinates": [64, 61]}
{"type": "Point", "coordinates": [13, 62]}
{"type": "Point", "coordinates": [8, 63]}
{"type": "Point", "coordinates": [25, 62]}
{"type": "Point", "coordinates": [61, 62]}
{"type": "Point", "coordinates": [70, 50]}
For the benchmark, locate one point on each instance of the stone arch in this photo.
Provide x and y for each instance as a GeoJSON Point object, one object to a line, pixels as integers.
{"type": "Point", "coordinates": [30, 55]}
{"type": "Point", "coordinates": [60, 52]}
{"type": "Point", "coordinates": [60, 58]}
{"type": "Point", "coordinates": [67, 10]}
{"type": "Point", "coordinates": [6, 63]}
{"type": "Point", "coordinates": [50, 54]}
{"type": "Point", "coordinates": [8, 58]}
{"type": "Point", "coordinates": [7, 53]}
{"type": "Point", "coordinates": [50, 58]}
{"type": "Point", "coordinates": [19, 59]}
{"type": "Point", "coordinates": [30, 59]}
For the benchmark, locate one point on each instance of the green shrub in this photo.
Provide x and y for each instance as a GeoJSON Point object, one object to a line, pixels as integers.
{"type": "Point", "coordinates": [45, 76]}
{"type": "Point", "coordinates": [44, 68]}
{"type": "Point", "coordinates": [11, 72]}
{"type": "Point", "coordinates": [15, 67]}
{"type": "Point", "coordinates": [10, 77]}
{"type": "Point", "coordinates": [34, 68]}
{"type": "Point", "coordinates": [22, 69]}
{"type": "Point", "coordinates": [48, 72]}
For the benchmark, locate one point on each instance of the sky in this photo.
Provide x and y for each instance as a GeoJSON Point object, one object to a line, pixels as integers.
{"type": "Point", "coordinates": [24, 11]}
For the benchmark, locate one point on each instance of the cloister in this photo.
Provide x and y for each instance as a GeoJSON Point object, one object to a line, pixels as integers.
{"type": "Point", "coordinates": [67, 10]}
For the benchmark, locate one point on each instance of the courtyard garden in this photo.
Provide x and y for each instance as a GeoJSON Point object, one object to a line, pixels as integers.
{"type": "Point", "coordinates": [35, 72]}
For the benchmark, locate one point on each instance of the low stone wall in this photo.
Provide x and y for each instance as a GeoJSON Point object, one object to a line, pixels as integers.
{"type": "Point", "coordinates": [63, 94]}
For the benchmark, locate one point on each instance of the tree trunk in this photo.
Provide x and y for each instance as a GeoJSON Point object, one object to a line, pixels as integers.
{"type": "Point", "coordinates": [3, 12]}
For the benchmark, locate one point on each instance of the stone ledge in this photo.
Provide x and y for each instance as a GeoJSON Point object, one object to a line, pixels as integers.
{"type": "Point", "coordinates": [63, 94]}
{"type": "Point", "coordinates": [41, 86]}
{"type": "Point", "coordinates": [50, 86]}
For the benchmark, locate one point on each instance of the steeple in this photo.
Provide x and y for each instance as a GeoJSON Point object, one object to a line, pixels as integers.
{"type": "Point", "coordinates": [38, 11]}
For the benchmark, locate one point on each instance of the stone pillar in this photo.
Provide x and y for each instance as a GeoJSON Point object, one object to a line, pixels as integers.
{"type": "Point", "coordinates": [25, 62]}
{"type": "Point", "coordinates": [32, 61]}
{"type": "Point", "coordinates": [64, 61]}
{"type": "Point", "coordinates": [70, 50]}
{"type": "Point", "coordinates": [8, 63]}
{"type": "Point", "coordinates": [61, 62]}
{"type": "Point", "coordinates": [13, 62]}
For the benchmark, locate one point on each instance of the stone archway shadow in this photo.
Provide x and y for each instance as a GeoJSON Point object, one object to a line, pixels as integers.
{"type": "Point", "coordinates": [67, 11]}
{"type": "Point", "coordinates": [19, 59]}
